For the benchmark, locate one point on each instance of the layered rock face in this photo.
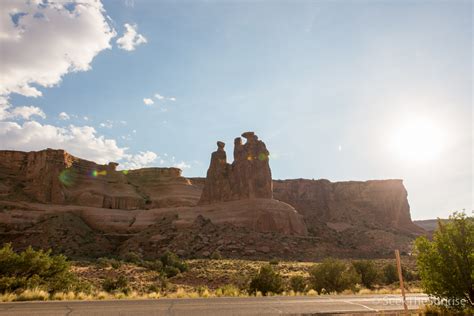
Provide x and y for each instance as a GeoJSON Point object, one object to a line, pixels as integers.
{"type": "Point", "coordinates": [248, 176]}
{"type": "Point", "coordinates": [370, 204]}
{"type": "Point", "coordinates": [54, 176]}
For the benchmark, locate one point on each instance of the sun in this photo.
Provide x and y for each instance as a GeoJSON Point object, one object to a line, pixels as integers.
{"type": "Point", "coordinates": [417, 140]}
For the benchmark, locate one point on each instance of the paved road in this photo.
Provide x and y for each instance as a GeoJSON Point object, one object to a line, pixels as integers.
{"type": "Point", "coordinates": [307, 305]}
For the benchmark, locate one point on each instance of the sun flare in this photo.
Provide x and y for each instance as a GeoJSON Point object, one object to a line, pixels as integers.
{"type": "Point", "coordinates": [417, 140]}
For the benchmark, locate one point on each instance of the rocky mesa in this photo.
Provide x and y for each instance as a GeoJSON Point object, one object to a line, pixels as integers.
{"type": "Point", "coordinates": [52, 199]}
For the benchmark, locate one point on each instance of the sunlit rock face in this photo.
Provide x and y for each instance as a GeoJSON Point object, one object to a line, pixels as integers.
{"type": "Point", "coordinates": [248, 177]}
{"type": "Point", "coordinates": [375, 204]}
{"type": "Point", "coordinates": [56, 177]}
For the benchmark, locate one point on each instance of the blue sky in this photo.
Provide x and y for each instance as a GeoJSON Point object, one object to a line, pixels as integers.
{"type": "Point", "coordinates": [325, 84]}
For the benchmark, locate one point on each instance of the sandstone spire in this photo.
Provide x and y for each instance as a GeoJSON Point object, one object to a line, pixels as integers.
{"type": "Point", "coordinates": [249, 176]}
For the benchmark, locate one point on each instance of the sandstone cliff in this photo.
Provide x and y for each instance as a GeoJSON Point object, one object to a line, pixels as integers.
{"type": "Point", "coordinates": [376, 204]}
{"type": "Point", "coordinates": [54, 176]}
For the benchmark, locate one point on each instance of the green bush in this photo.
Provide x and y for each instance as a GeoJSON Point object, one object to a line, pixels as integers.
{"type": "Point", "coordinates": [446, 264]}
{"type": "Point", "coordinates": [108, 262]}
{"type": "Point", "coordinates": [132, 257]}
{"type": "Point", "coordinates": [169, 259]}
{"type": "Point", "coordinates": [267, 280]}
{"type": "Point", "coordinates": [274, 262]}
{"type": "Point", "coordinates": [170, 271]}
{"type": "Point", "coordinates": [333, 275]}
{"type": "Point", "coordinates": [155, 265]}
{"type": "Point", "coordinates": [390, 274]}
{"type": "Point", "coordinates": [34, 269]}
{"type": "Point", "coordinates": [216, 255]}
{"type": "Point", "coordinates": [367, 271]}
{"type": "Point", "coordinates": [298, 283]}
{"type": "Point", "coordinates": [119, 284]}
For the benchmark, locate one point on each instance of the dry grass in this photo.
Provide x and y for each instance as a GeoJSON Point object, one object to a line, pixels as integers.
{"type": "Point", "coordinates": [205, 278]}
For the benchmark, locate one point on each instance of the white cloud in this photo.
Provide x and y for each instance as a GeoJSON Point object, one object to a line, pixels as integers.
{"type": "Point", "coordinates": [64, 116]}
{"type": "Point", "coordinates": [22, 112]}
{"type": "Point", "coordinates": [182, 165]}
{"type": "Point", "coordinates": [107, 124]}
{"type": "Point", "coordinates": [163, 98]}
{"type": "Point", "coordinates": [148, 101]}
{"type": "Point", "coordinates": [42, 41]}
{"type": "Point", "coordinates": [130, 38]}
{"type": "Point", "coordinates": [79, 141]}
{"type": "Point", "coordinates": [140, 160]}
{"type": "Point", "coordinates": [25, 112]}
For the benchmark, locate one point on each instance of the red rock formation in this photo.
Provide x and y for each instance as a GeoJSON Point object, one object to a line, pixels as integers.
{"type": "Point", "coordinates": [54, 176]}
{"type": "Point", "coordinates": [248, 177]}
{"type": "Point", "coordinates": [375, 204]}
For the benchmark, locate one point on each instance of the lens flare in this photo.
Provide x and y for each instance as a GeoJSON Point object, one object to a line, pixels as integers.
{"type": "Point", "coordinates": [67, 177]}
{"type": "Point", "coordinates": [96, 173]}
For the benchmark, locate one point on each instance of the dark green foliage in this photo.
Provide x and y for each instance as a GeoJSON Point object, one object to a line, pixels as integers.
{"type": "Point", "coordinates": [132, 257]}
{"type": "Point", "coordinates": [172, 265]}
{"type": "Point", "coordinates": [109, 262]}
{"type": "Point", "coordinates": [298, 283]}
{"type": "Point", "coordinates": [267, 280]}
{"type": "Point", "coordinates": [274, 261]}
{"type": "Point", "coordinates": [333, 275]}
{"type": "Point", "coordinates": [155, 265]}
{"type": "Point", "coordinates": [170, 271]}
{"type": "Point", "coordinates": [216, 255]}
{"type": "Point", "coordinates": [367, 271]}
{"type": "Point", "coordinates": [30, 268]}
{"type": "Point", "coordinates": [119, 284]}
{"type": "Point", "coordinates": [390, 274]}
{"type": "Point", "coordinates": [446, 264]}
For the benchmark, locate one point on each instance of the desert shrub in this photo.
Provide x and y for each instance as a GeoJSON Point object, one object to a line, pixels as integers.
{"type": "Point", "coordinates": [132, 257]}
{"type": "Point", "coordinates": [367, 271]}
{"type": "Point", "coordinates": [119, 284]}
{"type": "Point", "coordinates": [170, 271]}
{"type": "Point", "coordinates": [108, 262]}
{"type": "Point", "coordinates": [274, 262]}
{"type": "Point", "coordinates": [216, 255]}
{"type": "Point", "coordinates": [34, 269]}
{"type": "Point", "coordinates": [333, 275]}
{"type": "Point", "coordinates": [114, 263]}
{"type": "Point", "coordinates": [155, 265]}
{"type": "Point", "coordinates": [446, 264]}
{"type": "Point", "coordinates": [390, 274]}
{"type": "Point", "coordinates": [169, 259]}
{"type": "Point", "coordinates": [267, 280]}
{"type": "Point", "coordinates": [228, 290]}
{"type": "Point", "coordinates": [298, 283]}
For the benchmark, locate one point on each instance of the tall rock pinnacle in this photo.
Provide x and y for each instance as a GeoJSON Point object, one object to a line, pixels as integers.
{"type": "Point", "coordinates": [249, 176]}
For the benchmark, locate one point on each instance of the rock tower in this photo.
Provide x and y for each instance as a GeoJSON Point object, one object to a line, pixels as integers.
{"type": "Point", "coordinates": [248, 177]}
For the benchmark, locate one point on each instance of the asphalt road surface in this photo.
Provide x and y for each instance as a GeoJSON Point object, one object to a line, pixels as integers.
{"type": "Point", "coordinates": [306, 305]}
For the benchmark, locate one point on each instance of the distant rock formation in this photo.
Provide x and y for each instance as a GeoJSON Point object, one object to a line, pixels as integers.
{"type": "Point", "coordinates": [376, 204]}
{"type": "Point", "coordinates": [248, 177]}
{"type": "Point", "coordinates": [56, 177]}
